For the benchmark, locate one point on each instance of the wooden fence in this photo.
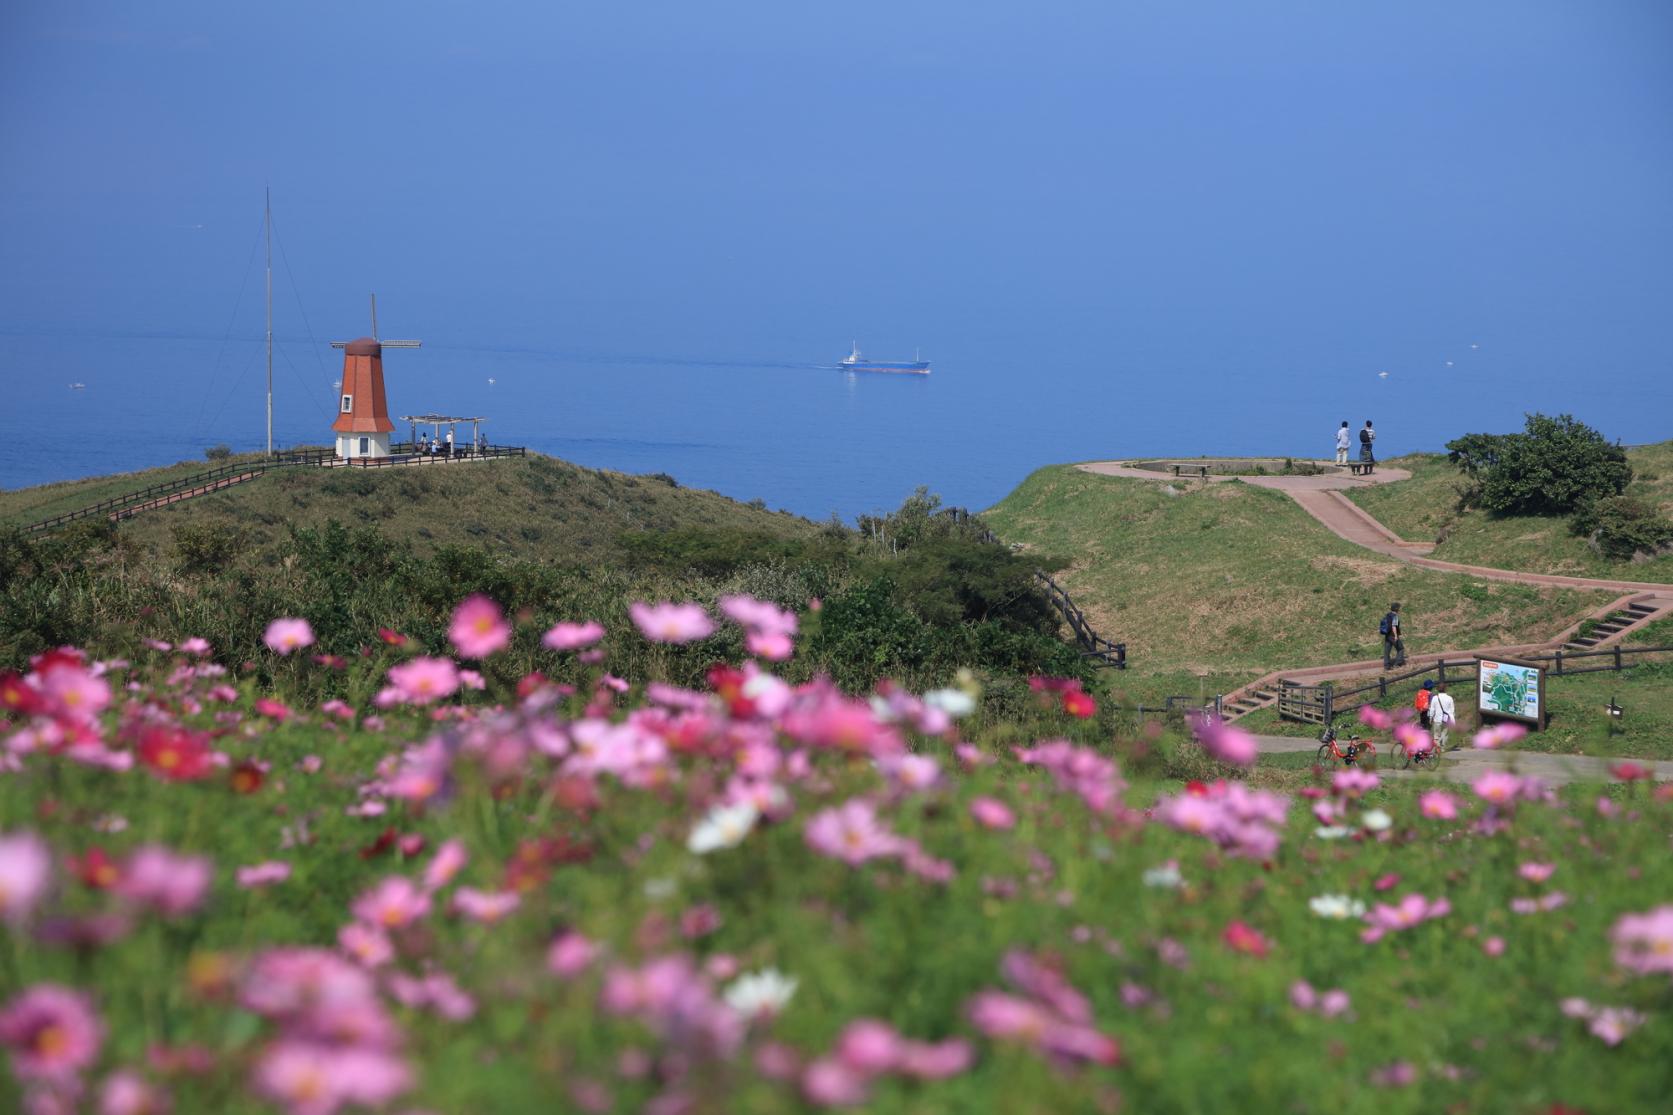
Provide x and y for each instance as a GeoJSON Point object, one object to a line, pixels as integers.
{"type": "Point", "coordinates": [1092, 644]}
{"type": "Point", "coordinates": [1320, 704]}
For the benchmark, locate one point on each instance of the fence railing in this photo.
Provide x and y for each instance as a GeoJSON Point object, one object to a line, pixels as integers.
{"type": "Point", "coordinates": [1092, 644]}
{"type": "Point", "coordinates": [128, 503]}
{"type": "Point", "coordinates": [1319, 704]}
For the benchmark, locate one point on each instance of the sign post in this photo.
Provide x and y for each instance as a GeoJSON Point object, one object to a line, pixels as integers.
{"type": "Point", "coordinates": [1507, 689]}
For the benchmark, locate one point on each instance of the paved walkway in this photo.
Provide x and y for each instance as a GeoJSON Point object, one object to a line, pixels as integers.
{"type": "Point", "coordinates": [1468, 764]}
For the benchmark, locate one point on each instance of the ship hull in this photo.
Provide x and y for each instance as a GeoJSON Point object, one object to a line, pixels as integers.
{"type": "Point", "coordinates": [907, 368]}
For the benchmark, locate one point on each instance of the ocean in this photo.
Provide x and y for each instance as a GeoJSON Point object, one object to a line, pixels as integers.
{"type": "Point", "coordinates": [790, 430]}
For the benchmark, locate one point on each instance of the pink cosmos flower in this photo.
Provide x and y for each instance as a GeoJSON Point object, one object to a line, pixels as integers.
{"type": "Point", "coordinates": [910, 772]}
{"type": "Point", "coordinates": [126, 1092]}
{"type": "Point", "coordinates": [1438, 805]}
{"type": "Point", "coordinates": [1611, 1025]}
{"type": "Point", "coordinates": [262, 874]}
{"type": "Point", "coordinates": [774, 646]}
{"type": "Point", "coordinates": [1498, 787]}
{"type": "Point", "coordinates": [51, 1032]}
{"type": "Point", "coordinates": [573, 636]}
{"type": "Point", "coordinates": [671, 623]}
{"type": "Point", "coordinates": [1538, 905]}
{"type": "Point", "coordinates": [1224, 742]}
{"type": "Point", "coordinates": [25, 873]}
{"type": "Point", "coordinates": [869, 1047]}
{"type": "Point", "coordinates": [1414, 739]}
{"type": "Point", "coordinates": [1375, 718]}
{"type": "Point", "coordinates": [484, 906]}
{"type": "Point", "coordinates": [437, 992]}
{"type": "Point", "coordinates": [286, 635]}
{"type": "Point", "coordinates": [448, 861]}
{"type": "Point", "coordinates": [309, 1078]}
{"type": "Point", "coordinates": [1493, 946]}
{"type": "Point", "coordinates": [1241, 937]}
{"type": "Point", "coordinates": [992, 813]}
{"type": "Point", "coordinates": [1354, 783]}
{"type": "Point", "coordinates": [171, 884]}
{"type": "Point", "coordinates": [72, 692]}
{"type": "Point", "coordinates": [1536, 872]}
{"type": "Point", "coordinates": [423, 680]}
{"type": "Point", "coordinates": [570, 955]}
{"type": "Point", "coordinates": [478, 628]}
{"type": "Point", "coordinates": [758, 615]}
{"type": "Point", "coordinates": [827, 1082]}
{"type": "Point", "coordinates": [196, 646]}
{"type": "Point", "coordinates": [935, 1060]}
{"type": "Point", "coordinates": [1644, 942]}
{"type": "Point", "coordinates": [393, 903]}
{"type": "Point", "coordinates": [366, 945]}
{"type": "Point", "coordinates": [1498, 736]}
{"type": "Point", "coordinates": [851, 832]}
{"type": "Point", "coordinates": [1412, 910]}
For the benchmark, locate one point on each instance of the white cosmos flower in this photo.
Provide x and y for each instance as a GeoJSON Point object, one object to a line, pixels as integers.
{"type": "Point", "coordinates": [760, 993]}
{"type": "Point", "coordinates": [956, 703]}
{"type": "Point", "coordinates": [1332, 832]}
{"type": "Point", "coordinates": [1375, 820]}
{"type": "Point", "coordinates": [724, 827]}
{"type": "Point", "coordinates": [1336, 906]}
{"type": "Point", "coordinates": [1166, 875]}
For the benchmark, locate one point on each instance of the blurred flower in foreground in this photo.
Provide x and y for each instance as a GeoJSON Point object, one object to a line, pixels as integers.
{"type": "Point", "coordinates": [478, 628]}
{"type": "Point", "coordinates": [725, 826]}
{"type": "Point", "coordinates": [51, 1032]}
{"type": "Point", "coordinates": [286, 635]}
{"type": "Point", "coordinates": [760, 993]}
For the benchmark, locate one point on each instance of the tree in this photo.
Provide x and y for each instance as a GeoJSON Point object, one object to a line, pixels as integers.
{"type": "Point", "coordinates": [1556, 466]}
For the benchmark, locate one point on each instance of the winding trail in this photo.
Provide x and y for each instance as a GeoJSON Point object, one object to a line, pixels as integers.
{"type": "Point", "coordinates": [1467, 764]}
{"type": "Point", "coordinates": [1321, 497]}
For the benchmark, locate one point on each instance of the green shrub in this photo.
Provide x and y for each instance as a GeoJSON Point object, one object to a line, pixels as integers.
{"type": "Point", "coordinates": [1620, 527]}
{"type": "Point", "coordinates": [1555, 467]}
{"type": "Point", "coordinates": [218, 452]}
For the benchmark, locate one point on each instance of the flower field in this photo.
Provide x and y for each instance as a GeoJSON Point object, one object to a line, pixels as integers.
{"type": "Point", "coordinates": [408, 882]}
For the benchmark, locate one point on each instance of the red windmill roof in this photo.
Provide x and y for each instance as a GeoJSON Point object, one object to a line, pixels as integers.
{"type": "Point", "coordinates": [368, 412]}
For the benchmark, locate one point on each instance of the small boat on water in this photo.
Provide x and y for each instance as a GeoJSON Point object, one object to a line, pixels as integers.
{"type": "Point", "coordinates": [78, 387]}
{"type": "Point", "coordinates": [854, 362]}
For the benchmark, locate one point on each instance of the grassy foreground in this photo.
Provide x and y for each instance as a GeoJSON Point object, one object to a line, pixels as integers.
{"type": "Point", "coordinates": [553, 902]}
{"type": "Point", "coordinates": [1425, 508]}
{"type": "Point", "coordinates": [1227, 578]}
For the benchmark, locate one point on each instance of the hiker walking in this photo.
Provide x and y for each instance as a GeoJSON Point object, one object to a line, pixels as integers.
{"type": "Point", "coordinates": [1342, 443]}
{"type": "Point", "coordinates": [1421, 703]}
{"type": "Point", "coordinates": [1366, 436]}
{"type": "Point", "coordinates": [1394, 647]}
{"type": "Point", "coordinates": [1442, 716]}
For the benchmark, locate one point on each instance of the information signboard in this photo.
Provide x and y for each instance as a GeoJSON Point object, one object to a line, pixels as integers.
{"type": "Point", "coordinates": [1511, 690]}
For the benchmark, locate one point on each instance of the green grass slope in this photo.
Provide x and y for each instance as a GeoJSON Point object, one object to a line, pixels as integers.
{"type": "Point", "coordinates": [536, 507]}
{"type": "Point", "coordinates": [22, 506]}
{"type": "Point", "coordinates": [1232, 578]}
{"type": "Point", "coordinates": [1425, 508]}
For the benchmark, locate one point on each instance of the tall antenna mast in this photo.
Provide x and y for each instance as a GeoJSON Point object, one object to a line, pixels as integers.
{"type": "Point", "coordinates": [268, 225]}
{"type": "Point", "coordinates": [374, 317]}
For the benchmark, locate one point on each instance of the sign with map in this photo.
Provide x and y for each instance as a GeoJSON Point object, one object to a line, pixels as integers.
{"type": "Point", "coordinates": [1512, 690]}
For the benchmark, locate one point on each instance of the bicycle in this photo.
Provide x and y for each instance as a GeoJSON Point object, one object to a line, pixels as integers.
{"type": "Point", "coordinates": [1356, 752]}
{"type": "Point", "coordinates": [1427, 758]}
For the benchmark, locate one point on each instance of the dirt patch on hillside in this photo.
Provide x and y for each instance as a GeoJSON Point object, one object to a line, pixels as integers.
{"type": "Point", "coordinates": [1366, 572]}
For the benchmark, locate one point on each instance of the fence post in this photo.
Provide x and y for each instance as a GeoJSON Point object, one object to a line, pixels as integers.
{"type": "Point", "coordinates": [1617, 657]}
{"type": "Point", "coordinates": [1559, 661]}
{"type": "Point", "coordinates": [1440, 672]}
{"type": "Point", "coordinates": [1329, 702]}
{"type": "Point", "coordinates": [1382, 686]}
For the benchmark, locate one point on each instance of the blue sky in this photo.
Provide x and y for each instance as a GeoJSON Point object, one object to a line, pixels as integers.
{"type": "Point", "coordinates": [1246, 196]}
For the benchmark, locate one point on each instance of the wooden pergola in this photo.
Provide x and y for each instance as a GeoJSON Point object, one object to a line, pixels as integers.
{"type": "Point", "coordinates": [451, 421]}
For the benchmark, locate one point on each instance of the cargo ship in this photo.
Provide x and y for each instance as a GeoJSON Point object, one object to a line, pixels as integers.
{"type": "Point", "coordinates": [854, 362]}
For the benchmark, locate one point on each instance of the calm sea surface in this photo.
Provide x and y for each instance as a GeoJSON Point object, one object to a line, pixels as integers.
{"type": "Point", "coordinates": [801, 436]}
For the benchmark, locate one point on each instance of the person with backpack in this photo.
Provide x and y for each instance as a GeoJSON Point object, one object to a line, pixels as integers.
{"type": "Point", "coordinates": [1394, 647]}
{"type": "Point", "coordinates": [1366, 436]}
{"type": "Point", "coordinates": [1443, 714]}
{"type": "Point", "coordinates": [1421, 703]}
{"type": "Point", "coordinates": [1342, 444]}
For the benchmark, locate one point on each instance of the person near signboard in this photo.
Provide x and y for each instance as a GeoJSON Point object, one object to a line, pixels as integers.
{"type": "Point", "coordinates": [1443, 714]}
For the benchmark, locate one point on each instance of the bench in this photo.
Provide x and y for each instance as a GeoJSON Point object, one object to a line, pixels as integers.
{"type": "Point", "coordinates": [1201, 470]}
{"type": "Point", "coordinates": [1359, 467]}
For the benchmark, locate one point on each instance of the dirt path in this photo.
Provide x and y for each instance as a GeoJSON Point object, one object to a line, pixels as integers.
{"type": "Point", "coordinates": [1467, 764]}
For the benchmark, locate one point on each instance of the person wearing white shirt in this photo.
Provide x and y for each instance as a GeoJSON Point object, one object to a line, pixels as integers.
{"type": "Point", "coordinates": [1442, 715]}
{"type": "Point", "coordinates": [1342, 444]}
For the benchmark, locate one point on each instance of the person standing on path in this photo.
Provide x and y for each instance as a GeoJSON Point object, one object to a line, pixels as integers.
{"type": "Point", "coordinates": [1442, 715]}
{"type": "Point", "coordinates": [1394, 647]}
{"type": "Point", "coordinates": [1366, 436]}
{"type": "Point", "coordinates": [1342, 444]}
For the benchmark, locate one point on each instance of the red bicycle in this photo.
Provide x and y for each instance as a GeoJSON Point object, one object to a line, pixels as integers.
{"type": "Point", "coordinates": [1350, 752]}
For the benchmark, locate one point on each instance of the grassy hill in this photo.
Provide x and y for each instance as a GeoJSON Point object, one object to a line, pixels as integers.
{"type": "Point", "coordinates": [22, 506]}
{"type": "Point", "coordinates": [537, 507]}
{"type": "Point", "coordinates": [1228, 579]}
{"type": "Point", "coordinates": [1425, 508]}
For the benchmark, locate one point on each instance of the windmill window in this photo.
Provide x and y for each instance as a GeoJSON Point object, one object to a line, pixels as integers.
{"type": "Point", "coordinates": [365, 446]}
{"type": "Point", "coordinates": [348, 403]}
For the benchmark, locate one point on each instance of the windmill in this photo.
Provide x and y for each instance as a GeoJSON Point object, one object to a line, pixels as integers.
{"type": "Point", "coordinates": [363, 426]}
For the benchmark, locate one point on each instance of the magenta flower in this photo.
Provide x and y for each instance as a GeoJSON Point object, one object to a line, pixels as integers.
{"type": "Point", "coordinates": [366, 945]}
{"type": "Point", "coordinates": [484, 906]}
{"type": "Point", "coordinates": [869, 1047]}
{"type": "Point", "coordinates": [1497, 787]}
{"type": "Point", "coordinates": [1498, 736]}
{"type": "Point", "coordinates": [393, 903]}
{"type": "Point", "coordinates": [423, 680]}
{"type": "Point", "coordinates": [851, 832]}
{"type": "Point", "coordinates": [286, 635]}
{"type": "Point", "coordinates": [827, 1082]}
{"type": "Point", "coordinates": [758, 615]}
{"type": "Point", "coordinates": [1539, 905]}
{"type": "Point", "coordinates": [448, 861]}
{"type": "Point", "coordinates": [671, 623]}
{"type": "Point", "coordinates": [992, 813]}
{"type": "Point", "coordinates": [1438, 805]}
{"type": "Point", "coordinates": [479, 628]}
{"type": "Point", "coordinates": [25, 873]}
{"type": "Point", "coordinates": [312, 1078]}
{"type": "Point", "coordinates": [935, 1060]}
{"type": "Point", "coordinates": [51, 1032]}
{"type": "Point", "coordinates": [72, 692]}
{"type": "Point", "coordinates": [262, 874]}
{"type": "Point", "coordinates": [126, 1092]}
{"type": "Point", "coordinates": [1644, 942]}
{"type": "Point", "coordinates": [171, 884]}
{"type": "Point", "coordinates": [1354, 783]}
{"type": "Point", "coordinates": [1412, 910]}
{"type": "Point", "coordinates": [570, 955]}
{"type": "Point", "coordinates": [1536, 872]}
{"type": "Point", "coordinates": [1414, 739]}
{"type": "Point", "coordinates": [774, 646]}
{"type": "Point", "coordinates": [1375, 718]}
{"type": "Point", "coordinates": [1611, 1025]}
{"type": "Point", "coordinates": [573, 636]}
{"type": "Point", "coordinates": [1224, 742]}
